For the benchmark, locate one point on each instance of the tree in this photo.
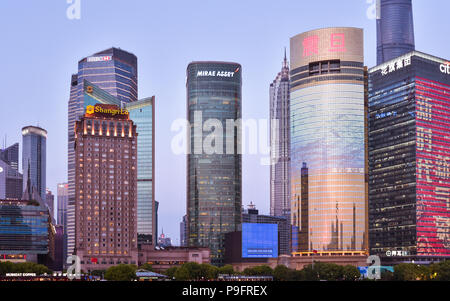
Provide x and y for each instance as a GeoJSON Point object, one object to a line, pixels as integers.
{"type": "Point", "coordinates": [350, 273]}
{"type": "Point", "coordinates": [282, 273]}
{"type": "Point", "coordinates": [147, 267]}
{"type": "Point", "coordinates": [262, 270]}
{"type": "Point", "coordinates": [411, 272]}
{"type": "Point", "coordinates": [226, 270]}
{"type": "Point", "coordinates": [208, 271]}
{"type": "Point", "coordinates": [121, 272]}
{"type": "Point", "coordinates": [441, 271]}
{"type": "Point", "coordinates": [170, 272]}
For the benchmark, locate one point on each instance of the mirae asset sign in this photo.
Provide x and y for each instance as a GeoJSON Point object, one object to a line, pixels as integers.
{"type": "Point", "coordinates": [214, 73]}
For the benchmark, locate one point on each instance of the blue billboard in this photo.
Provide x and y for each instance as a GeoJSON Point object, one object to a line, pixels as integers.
{"type": "Point", "coordinates": [259, 240]}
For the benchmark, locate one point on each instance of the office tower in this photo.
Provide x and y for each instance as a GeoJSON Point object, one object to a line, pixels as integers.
{"type": "Point", "coordinates": [395, 29]}
{"type": "Point", "coordinates": [183, 232]}
{"type": "Point", "coordinates": [62, 199]}
{"type": "Point", "coordinates": [50, 202]}
{"type": "Point", "coordinates": [283, 228]}
{"type": "Point", "coordinates": [34, 153]}
{"type": "Point", "coordinates": [106, 188]}
{"type": "Point", "coordinates": [280, 186]}
{"type": "Point", "coordinates": [24, 232]}
{"type": "Point", "coordinates": [214, 176]}
{"type": "Point", "coordinates": [10, 155]}
{"type": "Point", "coordinates": [110, 74]}
{"type": "Point", "coordinates": [328, 137]}
{"type": "Point", "coordinates": [164, 241]}
{"type": "Point", "coordinates": [10, 182]}
{"type": "Point", "coordinates": [142, 113]}
{"type": "Point", "coordinates": [409, 157]}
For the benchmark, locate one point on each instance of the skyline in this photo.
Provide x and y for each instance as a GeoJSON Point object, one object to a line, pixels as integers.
{"type": "Point", "coordinates": [162, 71]}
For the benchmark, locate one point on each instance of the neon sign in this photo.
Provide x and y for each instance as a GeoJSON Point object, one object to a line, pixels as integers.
{"type": "Point", "coordinates": [445, 68]}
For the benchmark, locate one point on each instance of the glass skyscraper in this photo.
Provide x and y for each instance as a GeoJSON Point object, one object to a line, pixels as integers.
{"type": "Point", "coordinates": [10, 155]}
{"type": "Point", "coordinates": [142, 113]}
{"type": "Point", "coordinates": [11, 186]}
{"type": "Point", "coordinates": [34, 156]}
{"type": "Point", "coordinates": [395, 29]}
{"type": "Point", "coordinates": [328, 126]}
{"type": "Point", "coordinates": [214, 177]}
{"type": "Point", "coordinates": [409, 157]}
{"type": "Point", "coordinates": [114, 72]}
{"type": "Point", "coordinates": [280, 184]}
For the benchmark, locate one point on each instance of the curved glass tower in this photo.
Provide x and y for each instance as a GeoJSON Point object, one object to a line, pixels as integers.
{"type": "Point", "coordinates": [328, 153]}
{"type": "Point", "coordinates": [395, 29]}
{"type": "Point", "coordinates": [214, 179]}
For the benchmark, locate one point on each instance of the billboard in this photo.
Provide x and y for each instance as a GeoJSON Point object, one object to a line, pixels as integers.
{"type": "Point", "coordinates": [259, 240]}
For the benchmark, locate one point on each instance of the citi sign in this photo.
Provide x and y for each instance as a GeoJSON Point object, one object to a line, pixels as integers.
{"type": "Point", "coordinates": [445, 68]}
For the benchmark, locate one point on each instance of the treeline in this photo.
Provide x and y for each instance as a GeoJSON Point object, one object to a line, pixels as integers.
{"type": "Point", "coordinates": [23, 267]}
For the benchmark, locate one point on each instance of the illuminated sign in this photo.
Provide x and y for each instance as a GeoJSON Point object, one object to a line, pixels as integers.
{"type": "Point", "coordinates": [311, 44]}
{"type": "Point", "coordinates": [397, 253]}
{"type": "Point", "coordinates": [99, 58]}
{"type": "Point", "coordinates": [106, 110]}
{"type": "Point", "coordinates": [396, 65]}
{"type": "Point", "coordinates": [383, 115]}
{"type": "Point", "coordinates": [1, 169]}
{"type": "Point", "coordinates": [445, 68]}
{"type": "Point", "coordinates": [214, 73]}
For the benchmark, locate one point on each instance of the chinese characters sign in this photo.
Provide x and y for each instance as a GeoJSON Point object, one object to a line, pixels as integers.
{"type": "Point", "coordinates": [311, 44]}
{"type": "Point", "coordinates": [396, 65]}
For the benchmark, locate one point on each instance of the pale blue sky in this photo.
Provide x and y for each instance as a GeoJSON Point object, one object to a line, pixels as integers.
{"type": "Point", "coordinates": [40, 48]}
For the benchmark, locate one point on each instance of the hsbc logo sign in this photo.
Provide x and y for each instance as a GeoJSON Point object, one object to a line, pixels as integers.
{"type": "Point", "coordinates": [445, 68]}
{"type": "Point", "coordinates": [99, 58]}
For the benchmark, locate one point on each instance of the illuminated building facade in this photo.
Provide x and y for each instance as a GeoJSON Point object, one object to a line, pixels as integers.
{"type": "Point", "coordinates": [113, 74]}
{"type": "Point", "coordinates": [280, 186]}
{"type": "Point", "coordinates": [328, 132]}
{"type": "Point", "coordinates": [409, 157]}
{"type": "Point", "coordinates": [214, 179]}
{"type": "Point", "coordinates": [106, 188]}
{"type": "Point", "coordinates": [395, 29]}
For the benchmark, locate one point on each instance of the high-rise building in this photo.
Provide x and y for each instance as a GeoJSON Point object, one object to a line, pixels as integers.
{"type": "Point", "coordinates": [409, 157]}
{"type": "Point", "coordinates": [283, 229]}
{"type": "Point", "coordinates": [62, 199]}
{"type": "Point", "coordinates": [10, 155]}
{"type": "Point", "coordinates": [50, 202]}
{"type": "Point", "coordinates": [164, 241]}
{"type": "Point", "coordinates": [109, 75]}
{"type": "Point", "coordinates": [106, 188]}
{"type": "Point", "coordinates": [183, 232]}
{"type": "Point", "coordinates": [34, 157]}
{"type": "Point", "coordinates": [395, 29]}
{"type": "Point", "coordinates": [280, 186]}
{"type": "Point", "coordinates": [328, 133]}
{"type": "Point", "coordinates": [10, 182]}
{"type": "Point", "coordinates": [214, 176]}
{"type": "Point", "coordinates": [142, 113]}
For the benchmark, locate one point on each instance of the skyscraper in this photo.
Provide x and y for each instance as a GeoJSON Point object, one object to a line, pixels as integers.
{"type": "Point", "coordinates": [395, 29]}
{"type": "Point", "coordinates": [105, 188]}
{"type": "Point", "coordinates": [10, 155]}
{"type": "Point", "coordinates": [328, 153]}
{"type": "Point", "coordinates": [142, 113]}
{"type": "Point", "coordinates": [214, 176]}
{"type": "Point", "coordinates": [62, 199]}
{"type": "Point", "coordinates": [50, 202]}
{"type": "Point", "coordinates": [113, 72]}
{"type": "Point", "coordinates": [280, 186]}
{"type": "Point", "coordinates": [409, 157]}
{"type": "Point", "coordinates": [34, 156]}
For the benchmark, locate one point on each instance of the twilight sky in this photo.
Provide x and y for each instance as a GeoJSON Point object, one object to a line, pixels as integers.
{"type": "Point", "coordinates": [40, 48]}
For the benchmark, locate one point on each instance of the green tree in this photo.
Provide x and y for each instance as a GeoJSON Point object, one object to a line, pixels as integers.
{"type": "Point", "coordinates": [262, 270]}
{"type": "Point", "coordinates": [121, 272]}
{"type": "Point", "coordinates": [282, 273]}
{"type": "Point", "coordinates": [147, 267]}
{"type": "Point", "coordinates": [182, 274]}
{"type": "Point", "coordinates": [440, 271]}
{"type": "Point", "coordinates": [227, 270]}
{"type": "Point", "coordinates": [350, 273]}
{"type": "Point", "coordinates": [208, 271]}
{"type": "Point", "coordinates": [411, 272]}
{"type": "Point", "coordinates": [171, 272]}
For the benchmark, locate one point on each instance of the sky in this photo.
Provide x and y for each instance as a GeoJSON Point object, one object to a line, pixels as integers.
{"type": "Point", "coordinates": [40, 48]}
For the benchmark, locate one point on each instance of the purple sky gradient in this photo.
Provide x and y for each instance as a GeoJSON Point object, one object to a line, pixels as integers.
{"type": "Point", "coordinates": [41, 48]}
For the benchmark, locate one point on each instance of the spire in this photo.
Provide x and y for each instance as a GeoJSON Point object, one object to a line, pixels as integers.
{"type": "Point", "coordinates": [285, 62]}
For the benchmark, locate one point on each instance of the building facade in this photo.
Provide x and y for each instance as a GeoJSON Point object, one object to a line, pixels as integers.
{"type": "Point", "coordinates": [62, 199]}
{"type": "Point", "coordinates": [328, 133]}
{"type": "Point", "coordinates": [34, 157]}
{"type": "Point", "coordinates": [142, 113]}
{"type": "Point", "coordinates": [106, 188]}
{"type": "Point", "coordinates": [409, 157]}
{"type": "Point", "coordinates": [395, 29]}
{"type": "Point", "coordinates": [10, 155]}
{"type": "Point", "coordinates": [214, 176]}
{"type": "Point", "coordinates": [10, 182]}
{"type": "Point", "coordinates": [50, 202]}
{"type": "Point", "coordinates": [107, 75]}
{"type": "Point", "coordinates": [280, 184]}
{"type": "Point", "coordinates": [183, 232]}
